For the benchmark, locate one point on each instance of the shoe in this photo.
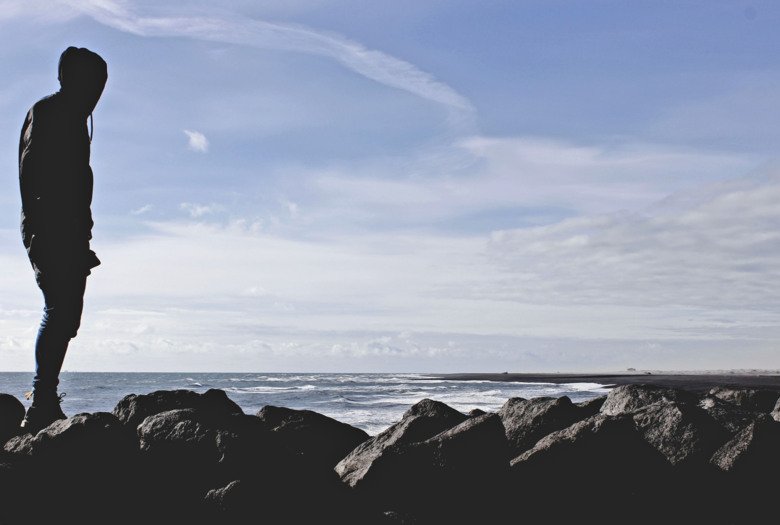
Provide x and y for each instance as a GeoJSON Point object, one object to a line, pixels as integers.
{"type": "Point", "coordinates": [42, 413]}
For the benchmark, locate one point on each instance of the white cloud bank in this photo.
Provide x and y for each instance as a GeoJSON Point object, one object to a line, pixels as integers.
{"type": "Point", "coordinates": [688, 286]}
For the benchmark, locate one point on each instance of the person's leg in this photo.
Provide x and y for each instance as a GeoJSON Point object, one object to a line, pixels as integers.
{"type": "Point", "coordinates": [64, 302]}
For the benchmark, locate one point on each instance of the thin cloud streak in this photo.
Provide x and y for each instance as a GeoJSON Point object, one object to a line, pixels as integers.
{"type": "Point", "coordinates": [372, 64]}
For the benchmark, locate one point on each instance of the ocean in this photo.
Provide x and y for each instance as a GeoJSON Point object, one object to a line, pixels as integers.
{"type": "Point", "coordinates": [368, 401]}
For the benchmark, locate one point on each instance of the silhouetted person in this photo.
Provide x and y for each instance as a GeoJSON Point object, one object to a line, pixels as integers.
{"type": "Point", "coordinates": [56, 185]}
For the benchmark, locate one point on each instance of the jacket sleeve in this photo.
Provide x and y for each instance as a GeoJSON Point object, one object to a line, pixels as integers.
{"type": "Point", "coordinates": [52, 177]}
{"type": "Point", "coordinates": [37, 162]}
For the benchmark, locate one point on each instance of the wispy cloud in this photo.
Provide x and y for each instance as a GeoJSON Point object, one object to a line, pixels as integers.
{"type": "Point", "coordinates": [373, 64]}
{"type": "Point", "coordinates": [198, 210]}
{"type": "Point", "coordinates": [197, 141]}
{"type": "Point", "coordinates": [143, 209]}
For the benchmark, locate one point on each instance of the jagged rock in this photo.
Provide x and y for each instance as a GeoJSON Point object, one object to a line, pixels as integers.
{"type": "Point", "coordinates": [188, 452]}
{"type": "Point", "coordinates": [215, 448]}
{"type": "Point", "coordinates": [748, 463]}
{"type": "Point", "coordinates": [601, 458]}
{"type": "Point", "coordinates": [320, 439]}
{"type": "Point", "coordinates": [776, 412]}
{"type": "Point", "coordinates": [97, 437]}
{"type": "Point", "coordinates": [11, 415]}
{"type": "Point", "coordinates": [591, 407]}
{"type": "Point", "coordinates": [528, 420]}
{"type": "Point", "coordinates": [747, 398]}
{"type": "Point", "coordinates": [133, 409]}
{"type": "Point", "coordinates": [422, 421]}
{"type": "Point", "coordinates": [587, 446]}
{"type": "Point", "coordinates": [85, 456]}
{"type": "Point", "coordinates": [476, 412]}
{"type": "Point", "coordinates": [729, 416]}
{"type": "Point", "coordinates": [754, 451]}
{"type": "Point", "coordinates": [684, 433]}
{"type": "Point", "coordinates": [424, 478]}
{"type": "Point", "coordinates": [628, 398]}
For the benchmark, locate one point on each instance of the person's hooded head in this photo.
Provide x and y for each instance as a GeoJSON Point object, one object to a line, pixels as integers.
{"type": "Point", "coordinates": [82, 75]}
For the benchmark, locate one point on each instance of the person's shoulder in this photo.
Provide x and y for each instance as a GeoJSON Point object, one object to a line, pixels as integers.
{"type": "Point", "coordinates": [47, 104]}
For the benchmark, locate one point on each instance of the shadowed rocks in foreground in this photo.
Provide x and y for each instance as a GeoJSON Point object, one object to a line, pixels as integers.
{"type": "Point", "coordinates": [643, 454]}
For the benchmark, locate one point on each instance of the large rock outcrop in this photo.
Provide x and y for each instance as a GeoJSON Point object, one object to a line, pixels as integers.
{"type": "Point", "coordinates": [754, 452]}
{"type": "Point", "coordinates": [133, 409]}
{"type": "Point", "coordinates": [466, 462]}
{"type": "Point", "coordinates": [729, 416]}
{"type": "Point", "coordinates": [749, 399]}
{"type": "Point", "coordinates": [187, 452]}
{"type": "Point", "coordinates": [87, 458]}
{"type": "Point", "coordinates": [528, 420]}
{"type": "Point", "coordinates": [629, 398]}
{"type": "Point", "coordinates": [320, 439]}
{"type": "Point", "coordinates": [683, 433]}
{"type": "Point", "coordinates": [422, 421]}
{"type": "Point", "coordinates": [11, 415]}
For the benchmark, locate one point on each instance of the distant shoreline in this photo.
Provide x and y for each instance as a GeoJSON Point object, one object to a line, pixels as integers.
{"type": "Point", "coordinates": [688, 381]}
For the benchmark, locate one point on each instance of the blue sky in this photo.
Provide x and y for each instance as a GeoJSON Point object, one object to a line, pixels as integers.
{"type": "Point", "coordinates": [413, 185]}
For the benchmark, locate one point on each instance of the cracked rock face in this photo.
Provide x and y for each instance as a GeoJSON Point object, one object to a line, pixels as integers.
{"type": "Point", "coordinates": [683, 433]}
{"type": "Point", "coordinates": [629, 398]}
{"type": "Point", "coordinates": [753, 452]}
{"type": "Point", "coordinates": [749, 399]}
{"type": "Point", "coordinates": [318, 438]}
{"type": "Point", "coordinates": [422, 421]}
{"type": "Point", "coordinates": [528, 420]}
{"type": "Point", "coordinates": [133, 409]}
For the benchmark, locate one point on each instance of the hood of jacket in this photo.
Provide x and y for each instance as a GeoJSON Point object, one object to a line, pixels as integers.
{"type": "Point", "coordinates": [82, 74]}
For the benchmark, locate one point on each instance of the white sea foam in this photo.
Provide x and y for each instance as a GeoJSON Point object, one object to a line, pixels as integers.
{"type": "Point", "coordinates": [369, 401]}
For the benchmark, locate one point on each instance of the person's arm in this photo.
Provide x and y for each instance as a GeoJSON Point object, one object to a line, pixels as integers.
{"type": "Point", "coordinates": [39, 162]}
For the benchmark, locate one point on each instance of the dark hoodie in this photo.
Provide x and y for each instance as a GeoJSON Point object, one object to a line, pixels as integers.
{"type": "Point", "coordinates": [54, 173]}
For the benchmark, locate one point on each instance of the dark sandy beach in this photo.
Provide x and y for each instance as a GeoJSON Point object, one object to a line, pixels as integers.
{"type": "Point", "coordinates": [697, 382]}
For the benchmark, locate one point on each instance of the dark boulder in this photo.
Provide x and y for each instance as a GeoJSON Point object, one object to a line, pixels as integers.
{"type": "Point", "coordinates": [11, 415]}
{"type": "Point", "coordinates": [320, 439]}
{"type": "Point", "coordinates": [187, 452]}
{"type": "Point", "coordinates": [84, 455]}
{"type": "Point", "coordinates": [422, 479]}
{"type": "Point", "coordinates": [628, 398]}
{"type": "Point", "coordinates": [591, 407]}
{"type": "Point", "coordinates": [96, 438]}
{"type": "Point", "coordinates": [134, 408]}
{"type": "Point", "coordinates": [207, 449]}
{"type": "Point", "coordinates": [422, 421]}
{"type": "Point", "coordinates": [476, 412]}
{"type": "Point", "coordinates": [528, 420]}
{"type": "Point", "coordinates": [684, 434]}
{"type": "Point", "coordinates": [753, 452]}
{"type": "Point", "coordinates": [747, 464]}
{"type": "Point", "coordinates": [600, 459]}
{"type": "Point", "coordinates": [776, 412]}
{"type": "Point", "coordinates": [747, 398]}
{"type": "Point", "coordinates": [730, 417]}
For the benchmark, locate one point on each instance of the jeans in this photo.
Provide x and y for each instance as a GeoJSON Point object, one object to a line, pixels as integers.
{"type": "Point", "coordinates": [64, 301]}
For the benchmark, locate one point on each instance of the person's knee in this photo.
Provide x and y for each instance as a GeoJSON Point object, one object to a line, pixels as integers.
{"type": "Point", "coordinates": [62, 322]}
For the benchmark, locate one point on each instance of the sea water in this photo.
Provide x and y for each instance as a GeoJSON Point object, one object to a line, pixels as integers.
{"type": "Point", "coordinates": [368, 401]}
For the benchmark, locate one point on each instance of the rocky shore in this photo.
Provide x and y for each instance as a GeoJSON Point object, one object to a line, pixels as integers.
{"type": "Point", "coordinates": [641, 454]}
